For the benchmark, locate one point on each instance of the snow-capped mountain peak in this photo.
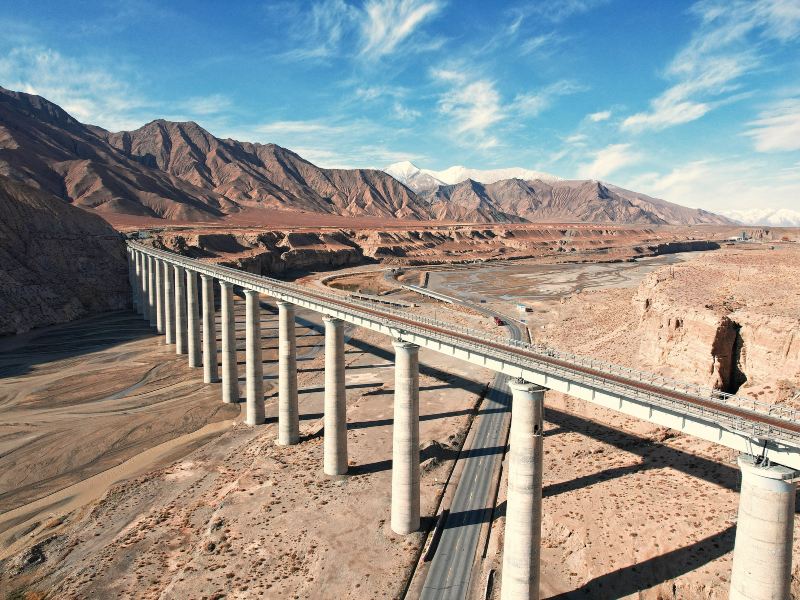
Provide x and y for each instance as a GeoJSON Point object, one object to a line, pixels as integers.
{"type": "Point", "coordinates": [421, 180]}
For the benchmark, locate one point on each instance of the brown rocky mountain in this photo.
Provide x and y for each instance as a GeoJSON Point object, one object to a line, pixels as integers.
{"type": "Point", "coordinates": [515, 200]}
{"type": "Point", "coordinates": [180, 172]}
{"type": "Point", "coordinates": [265, 174]}
{"type": "Point", "coordinates": [57, 262]}
{"type": "Point", "coordinates": [44, 147]}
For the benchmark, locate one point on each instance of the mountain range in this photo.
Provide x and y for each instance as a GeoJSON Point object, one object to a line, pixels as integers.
{"type": "Point", "coordinates": [425, 180]}
{"type": "Point", "coordinates": [181, 172]}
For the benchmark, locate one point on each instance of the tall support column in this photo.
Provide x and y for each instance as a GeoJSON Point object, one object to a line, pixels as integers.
{"type": "Point", "coordinates": [132, 276]}
{"type": "Point", "coordinates": [193, 319]}
{"type": "Point", "coordinates": [181, 339]}
{"type": "Point", "coordinates": [168, 303]}
{"type": "Point", "coordinates": [230, 375]}
{"type": "Point", "coordinates": [152, 311]}
{"type": "Point", "coordinates": [405, 439]}
{"type": "Point", "coordinates": [210, 369]}
{"type": "Point", "coordinates": [254, 369]}
{"type": "Point", "coordinates": [140, 304]}
{"type": "Point", "coordinates": [335, 440]}
{"type": "Point", "coordinates": [762, 553]}
{"type": "Point", "coordinates": [523, 532]}
{"type": "Point", "coordinates": [158, 298]}
{"type": "Point", "coordinates": [288, 413]}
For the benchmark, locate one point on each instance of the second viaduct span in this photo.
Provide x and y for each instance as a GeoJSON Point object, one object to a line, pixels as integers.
{"type": "Point", "coordinates": [165, 291]}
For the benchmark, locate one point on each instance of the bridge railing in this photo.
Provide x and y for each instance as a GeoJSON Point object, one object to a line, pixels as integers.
{"type": "Point", "coordinates": [603, 372]}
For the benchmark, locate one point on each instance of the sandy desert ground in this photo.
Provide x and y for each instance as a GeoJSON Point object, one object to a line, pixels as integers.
{"type": "Point", "coordinates": [631, 510]}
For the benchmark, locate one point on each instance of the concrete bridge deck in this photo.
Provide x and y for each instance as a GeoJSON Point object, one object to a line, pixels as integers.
{"type": "Point", "coordinates": [770, 432]}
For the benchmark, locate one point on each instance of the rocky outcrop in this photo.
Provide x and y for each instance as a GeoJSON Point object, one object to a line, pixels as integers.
{"type": "Point", "coordinates": [57, 262]}
{"type": "Point", "coordinates": [723, 325]}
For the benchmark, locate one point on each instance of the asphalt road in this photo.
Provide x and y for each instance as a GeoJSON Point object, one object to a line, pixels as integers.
{"type": "Point", "coordinates": [451, 568]}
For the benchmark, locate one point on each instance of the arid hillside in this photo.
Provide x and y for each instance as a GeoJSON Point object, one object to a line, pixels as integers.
{"type": "Point", "coordinates": [57, 262]}
{"type": "Point", "coordinates": [515, 200]}
{"type": "Point", "coordinates": [264, 175]}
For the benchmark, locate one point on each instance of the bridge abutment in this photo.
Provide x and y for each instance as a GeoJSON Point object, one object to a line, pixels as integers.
{"type": "Point", "coordinates": [181, 326]}
{"type": "Point", "coordinates": [405, 439]}
{"type": "Point", "coordinates": [288, 412]}
{"type": "Point", "coordinates": [193, 319]}
{"type": "Point", "coordinates": [210, 365]}
{"type": "Point", "coordinates": [230, 377]}
{"type": "Point", "coordinates": [335, 436]}
{"type": "Point", "coordinates": [523, 530]}
{"type": "Point", "coordinates": [255, 371]}
{"type": "Point", "coordinates": [762, 554]}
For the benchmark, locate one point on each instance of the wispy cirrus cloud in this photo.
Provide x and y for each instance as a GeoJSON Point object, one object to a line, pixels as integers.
{"type": "Point", "coordinates": [777, 128]}
{"type": "Point", "coordinates": [609, 160]}
{"type": "Point", "coordinates": [90, 93]}
{"type": "Point", "coordinates": [474, 104]}
{"type": "Point", "coordinates": [596, 117]}
{"type": "Point", "coordinates": [332, 28]}
{"type": "Point", "coordinates": [473, 107]}
{"type": "Point", "coordinates": [533, 103]}
{"type": "Point", "coordinates": [387, 24]}
{"type": "Point", "coordinates": [724, 48]}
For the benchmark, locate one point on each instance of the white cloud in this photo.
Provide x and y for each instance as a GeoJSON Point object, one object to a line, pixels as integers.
{"type": "Point", "coordinates": [540, 44]}
{"type": "Point", "coordinates": [603, 115]}
{"type": "Point", "coordinates": [532, 104]}
{"type": "Point", "coordinates": [773, 217]}
{"type": "Point", "coordinates": [723, 185]}
{"type": "Point", "coordinates": [404, 113]}
{"type": "Point", "coordinates": [89, 93]}
{"type": "Point", "coordinates": [721, 52]}
{"type": "Point", "coordinates": [473, 108]}
{"type": "Point", "coordinates": [778, 127]}
{"type": "Point", "coordinates": [297, 127]}
{"type": "Point", "coordinates": [608, 160]}
{"type": "Point", "coordinates": [388, 23]}
{"type": "Point", "coordinates": [321, 30]}
{"type": "Point", "coordinates": [207, 105]}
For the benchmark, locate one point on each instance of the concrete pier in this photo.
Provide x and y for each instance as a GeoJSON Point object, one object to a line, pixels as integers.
{"type": "Point", "coordinates": [133, 266]}
{"type": "Point", "coordinates": [192, 320]}
{"type": "Point", "coordinates": [405, 439]}
{"type": "Point", "coordinates": [152, 292]}
{"type": "Point", "coordinates": [158, 268]}
{"type": "Point", "coordinates": [140, 284]}
{"type": "Point", "coordinates": [335, 439]}
{"type": "Point", "coordinates": [288, 412]}
{"type": "Point", "coordinates": [254, 369]}
{"type": "Point", "coordinates": [523, 532]}
{"type": "Point", "coordinates": [145, 285]}
{"type": "Point", "coordinates": [762, 554]}
{"type": "Point", "coordinates": [181, 339]}
{"type": "Point", "coordinates": [230, 375]}
{"type": "Point", "coordinates": [168, 303]}
{"type": "Point", "coordinates": [210, 360]}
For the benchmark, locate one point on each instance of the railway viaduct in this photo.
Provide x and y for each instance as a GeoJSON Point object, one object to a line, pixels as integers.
{"type": "Point", "coordinates": [166, 291]}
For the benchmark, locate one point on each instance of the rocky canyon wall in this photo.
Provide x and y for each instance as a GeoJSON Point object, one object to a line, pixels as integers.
{"type": "Point", "coordinates": [287, 252]}
{"type": "Point", "coordinates": [729, 320]}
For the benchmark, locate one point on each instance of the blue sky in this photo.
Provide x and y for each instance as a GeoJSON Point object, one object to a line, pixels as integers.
{"type": "Point", "coordinates": [694, 102]}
